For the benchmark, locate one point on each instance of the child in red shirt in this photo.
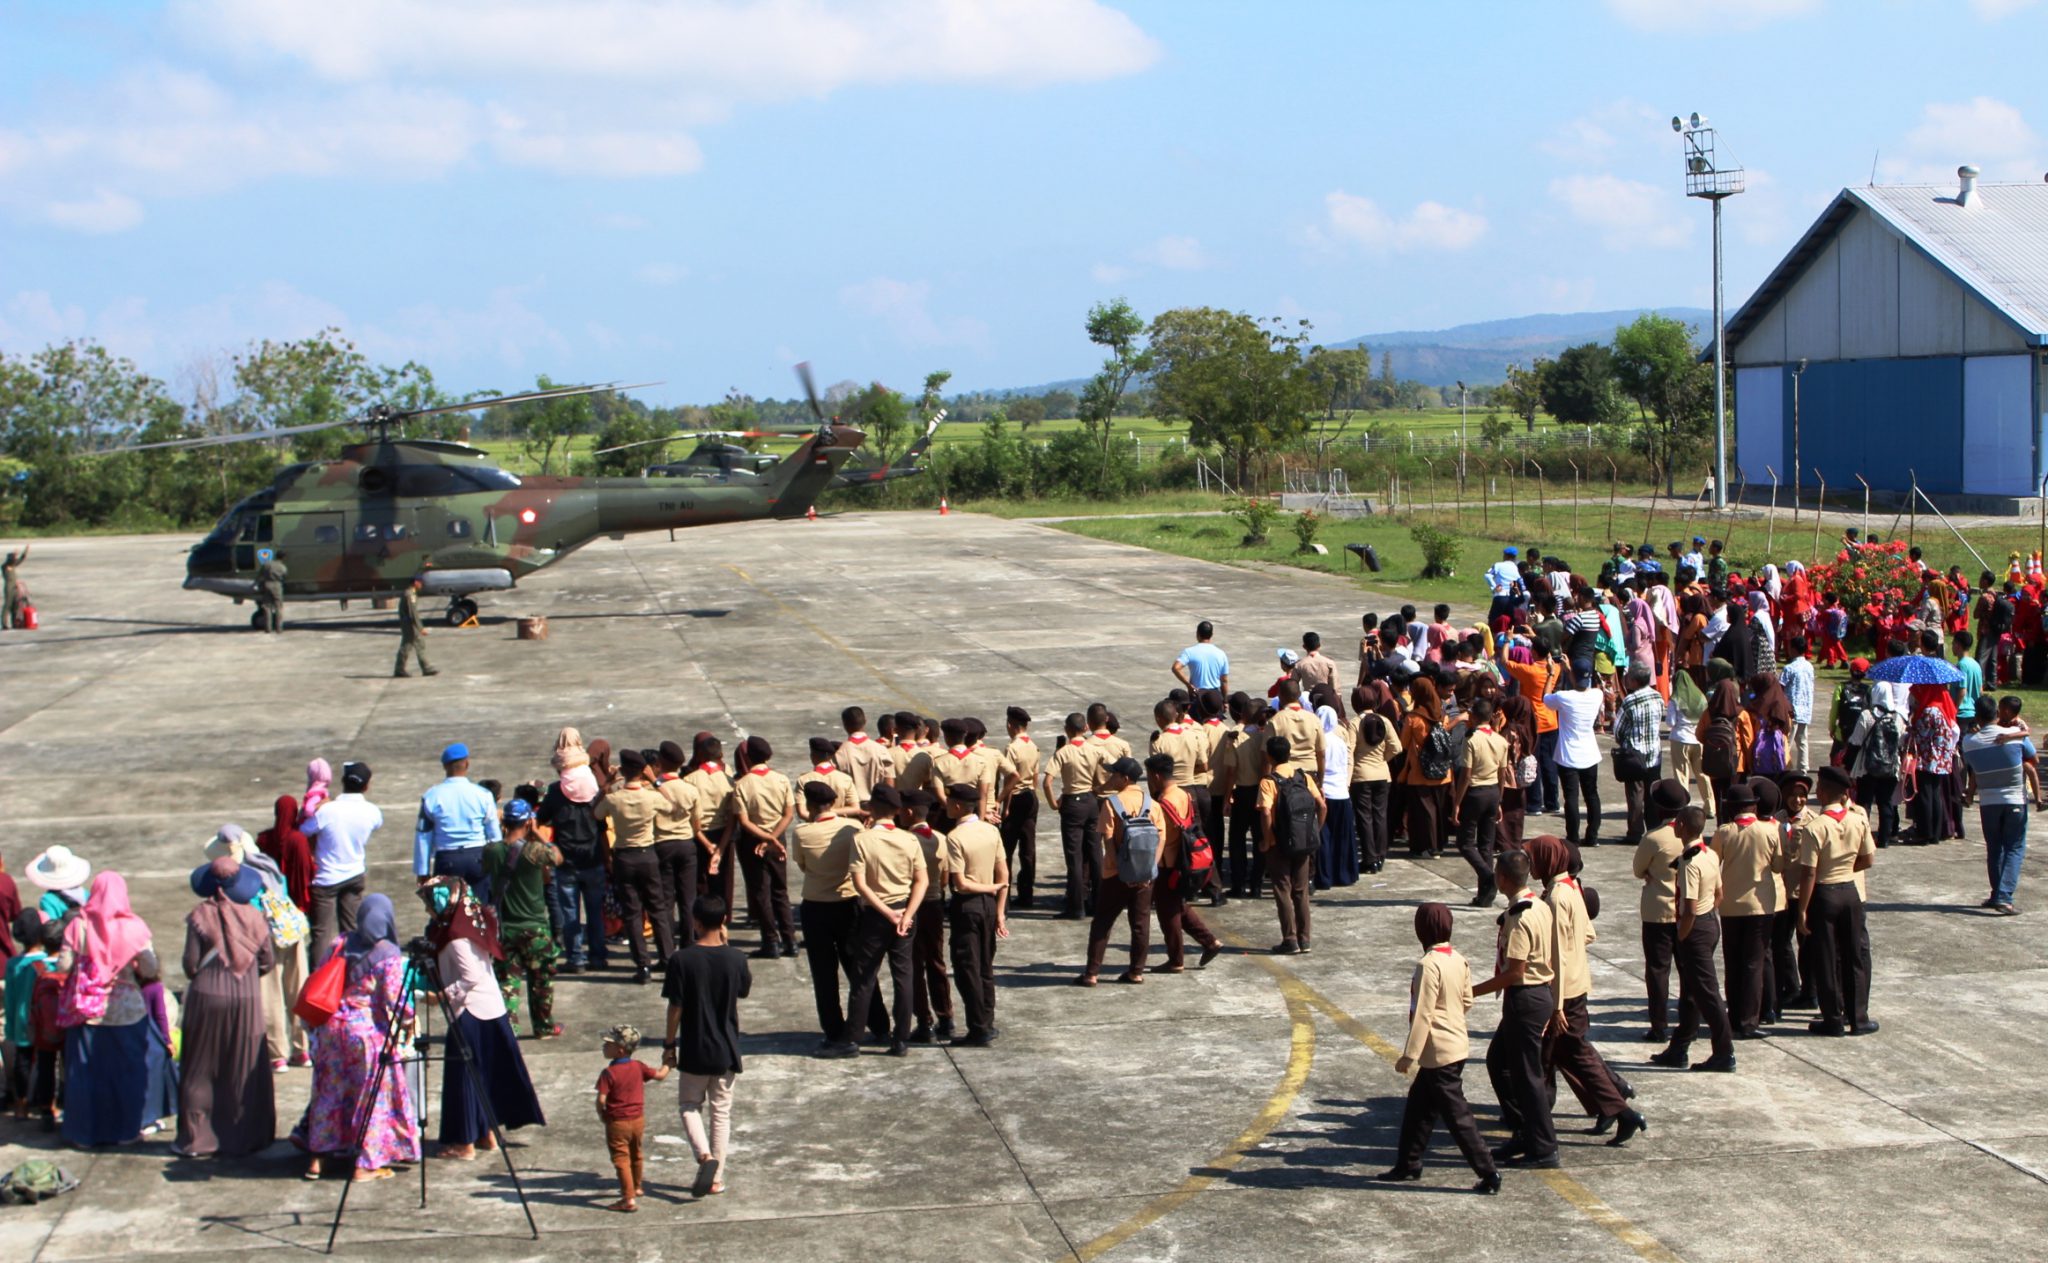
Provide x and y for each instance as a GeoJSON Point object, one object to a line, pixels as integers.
{"type": "Point", "coordinates": [622, 1104]}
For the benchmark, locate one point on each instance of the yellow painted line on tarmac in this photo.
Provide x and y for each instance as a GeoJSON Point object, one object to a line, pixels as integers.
{"type": "Point", "coordinates": [852, 655]}
{"type": "Point", "coordinates": [1301, 1053]}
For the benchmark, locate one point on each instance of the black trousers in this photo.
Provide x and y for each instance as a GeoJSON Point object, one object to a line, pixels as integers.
{"type": "Point", "coordinates": [1581, 784]}
{"type": "Point", "coordinates": [828, 938]}
{"type": "Point", "coordinates": [1439, 1093]}
{"type": "Point", "coordinates": [1571, 1054]}
{"type": "Point", "coordinates": [1514, 1063]}
{"type": "Point", "coordinates": [1699, 988]}
{"type": "Point", "coordinates": [1205, 807]}
{"type": "Point", "coordinates": [1079, 821]}
{"type": "Point", "coordinates": [768, 896]}
{"type": "Point", "coordinates": [1369, 816]}
{"type": "Point", "coordinates": [676, 859]}
{"type": "Point", "coordinates": [1638, 795]}
{"type": "Point", "coordinates": [1875, 792]}
{"type": "Point", "coordinates": [1841, 952]}
{"type": "Point", "coordinates": [1429, 806]}
{"type": "Point", "coordinates": [1020, 844]}
{"type": "Point", "coordinates": [1660, 944]}
{"type": "Point", "coordinates": [1479, 830]}
{"type": "Point", "coordinates": [875, 940]}
{"type": "Point", "coordinates": [1247, 866]}
{"type": "Point", "coordinates": [636, 878]}
{"type": "Point", "coordinates": [974, 959]}
{"type": "Point", "coordinates": [1746, 955]}
{"type": "Point", "coordinates": [1789, 956]}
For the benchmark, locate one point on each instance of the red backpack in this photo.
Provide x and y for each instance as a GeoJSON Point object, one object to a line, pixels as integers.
{"type": "Point", "coordinates": [44, 1004]}
{"type": "Point", "coordinates": [1197, 857]}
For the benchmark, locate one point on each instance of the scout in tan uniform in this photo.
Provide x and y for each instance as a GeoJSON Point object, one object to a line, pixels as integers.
{"type": "Point", "coordinates": [1476, 791]}
{"type": "Point", "coordinates": [1288, 857]}
{"type": "Point", "coordinates": [1656, 866]}
{"type": "Point", "coordinates": [1374, 740]}
{"type": "Point", "coordinates": [905, 744]}
{"type": "Point", "coordinates": [631, 807]}
{"type": "Point", "coordinates": [1525, 971]}
{"type": "Point", "coordinates": [1247, 848]}
{"type": "Point", "coordinates": [824, 850]}
{"type": "Point", "coordinates": [1835, 848]}
{"type": "Point", "coordinates": [764, 804]}
{"type": "Point", "coordinates": [931, 996]}
{"type": "Point", "coordinates": [675, 842]}
{"type": "Point", "coordinates": [1792, 954]}
{"type": "Point", "coordinates": [1571, 1052]}
{"type": "Point", "coordinates": [1219, 738]}
{"type": "Point", "coordinates": [1070, 783]}
{"type": "Point", "coordinates": [711, 816]}
{"type": "Point", "coordinates": [889, 876]}
{"type": "Point", "coordinates": [918, 774]}
{"type": "Point", "coordinates": [868, 761]}
{"type": "Point", "coordinates": [846, 795]}
{"type": "Point", "coordinates": [1108, 747]}
{"type": "Point", "coordinates": [1017, 788]}
{"type": "Point", "coordinates": [1699, 929]}
{"type": "Point", "coordinates": [981, 882]}
{"type": "Point", "coordinates": [1439, 995]}
{"type": "Point", "coordinates": [1751, 851]}
{"type": "Point", "coordinates": [1304, 732]}
{"type": "Point", "coordinates": [988, 770]}
{"type": "Point", "coordinates": [1173, 891]}
{"type": "Point", "coordinates": [1118, 894]}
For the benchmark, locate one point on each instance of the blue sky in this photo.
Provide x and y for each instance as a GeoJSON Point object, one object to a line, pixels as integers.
{"type": "Point", "coordinates": [705, 193]}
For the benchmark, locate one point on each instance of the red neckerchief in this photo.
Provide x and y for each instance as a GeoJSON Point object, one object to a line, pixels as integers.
{"type": "Point", "coordinates": [858, 737]}
{"type": "Point", "coordinates": [757, 771]}
{"type": "Point", "coordinates": [1176, 729]}
{"type": "Point", "coordinates": [1836, 812]}
{"type": "Point", "coordinates": [1743, 822]}
{"type": "Point", "coordinates": [1571, 881]}
{"type": "Point", "coordinates": [907, 745]}
{"type": "Point", "coordinates": [1024, 737]}
{"type": "Point", "coordinates": [924, 745]}
{"type": "Point", "coordinates": [887, 826]}
{"type": "Point", "coordinates": [958, 752]}
{"type": "Point", "coordinates": [1212, 723]}
{"type": "Point", "coordinates": [1445, 948]}
{"type": "Point", "coordinates": [921, 830]}
{"type": "Point", "coordinates": [824, 769]}
{"type": "Point", "coordinates": [713, 768]}
{"type": "Point", "coordinates": [1102, 735]}
{"type": "Point", "coordinates": [1486, 728]}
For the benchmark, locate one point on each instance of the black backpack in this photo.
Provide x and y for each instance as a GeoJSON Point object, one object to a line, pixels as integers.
{"type": "Point", "coordinates": [1295, 830]}
{"type": "Point", "coordinates": [2002, 611]}
{"type": "Point", "coordinates": [1881, 751]}
{"type": "Point", "coordinates": [1720, 757]}
{"type": "Point", "coordinates": [1855, 700]}
{"type": "Point", "coordinates": [578, 836]}
{"type": "Point", "coordinates": [1439, 753]}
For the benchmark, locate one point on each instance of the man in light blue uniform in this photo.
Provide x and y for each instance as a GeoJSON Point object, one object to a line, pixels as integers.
{"type": "Point", "coordinates": [1202, 667]}
{"type": "Point", "coordinates": [457, 817]}
{"type": "Point", "coordinates": [1504, 583]}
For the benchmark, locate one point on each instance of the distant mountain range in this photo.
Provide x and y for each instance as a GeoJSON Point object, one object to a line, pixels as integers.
{"type": "Point", "coordinates": [1477, 354]}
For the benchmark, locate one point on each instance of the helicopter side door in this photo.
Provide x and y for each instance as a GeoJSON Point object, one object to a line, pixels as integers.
{"type": "Point", "coordinates": [311, 545]}
{"type": "Point", "coordinates": [254, 541]}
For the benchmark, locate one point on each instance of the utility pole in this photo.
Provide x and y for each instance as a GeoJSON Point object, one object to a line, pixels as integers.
{"type": "Point", "coordinates": [1706, 178]}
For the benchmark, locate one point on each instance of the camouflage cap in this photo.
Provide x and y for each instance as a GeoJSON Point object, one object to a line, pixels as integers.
{"type": "Point", "coordinates": [625, 1035]}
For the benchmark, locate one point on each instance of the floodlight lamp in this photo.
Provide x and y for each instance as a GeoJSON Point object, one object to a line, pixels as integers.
{"type": "Point", "coordinates": [1677, 123]}
{"type": "Point", "coordinates": [1695, 120]}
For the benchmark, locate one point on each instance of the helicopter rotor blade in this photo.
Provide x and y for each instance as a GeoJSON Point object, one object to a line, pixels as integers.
{"type": "Point", "coordinates": [557, 392]}
{"type": "Point", "coordinates": [803, 374]}
{"type": "Point", "coordinates": [222, 440]}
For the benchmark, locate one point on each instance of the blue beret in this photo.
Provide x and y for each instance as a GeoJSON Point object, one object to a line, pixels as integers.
{"type": "Point", "coordinates": [455, 753]}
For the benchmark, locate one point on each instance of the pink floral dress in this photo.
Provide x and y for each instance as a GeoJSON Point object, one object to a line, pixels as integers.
{"type": "Point", "coordinates": [345, 1053]}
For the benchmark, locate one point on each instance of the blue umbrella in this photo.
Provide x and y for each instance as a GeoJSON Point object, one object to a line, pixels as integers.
{"type": "Point", "coordinates": [1915, 669]}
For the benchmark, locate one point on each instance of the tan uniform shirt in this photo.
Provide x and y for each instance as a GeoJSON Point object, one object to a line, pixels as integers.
{"type": "Point", "coordinates": [681, 825]}
{"type": "Point", "coordinates": [1304, 733]}
{"type": "Point", "coordinates": [763, 795]}
{"type": "Point", "coordinates": [1313, 669]}
{"type": "Point", "coordinates": [1574, 930]}
{"type": "Point", "coordinates": [1020, 763]}
{"type": "Point", "coordinates": [917, 771]}
{"type": "Point", "coordinates": [1752, 855]}
{"type": "Point", "coordinates": [1527, 934]}
{"type": "Point", "coordinates": [900, 753]}
{"type": "Point", "coordinates": [1830, 845]}
{"type": "Point", "coordinates": [1251, 757]}
{"type": "Point", "coordinates": [1269, 791]}
{"type": "Point", "coordinates": [968, 766]}
{"type": "Point", "coordinates": [867, 761]}
{"type": "Point", "coordinates": [713, 812]}
{"type": "Point", "coordinates": [1189, 750]}
{"type": "Point", "coordinates": [848, 798]}
{"type": "Point", "coordinates": [973, 849]}
{"type": "Point", "coordinates": [1699, 881]}
{"type": "Point", "coordinates": [1073, 766]}
{"type": "Point", "coordinates": [1369, 761]}
{"type": "Point", "coordinates": [1220, 737]}
{"type": "Point", "coordinates": [1108, 749]}
{"type": "Point", "coordinates": [887, 858]}
{"type": "Point", "coordinates": [824, 850]}
{"type": "Point", "coordinates": [932, 845]}
{"type": "Point", "coordinates": [1654, 855]}
{"type": "Point", "coordinates": [1486, 753]}
{"type": "Point", "coordinates": [632, 808]}
{"type": "Point", "coordinates": [1439, 996]}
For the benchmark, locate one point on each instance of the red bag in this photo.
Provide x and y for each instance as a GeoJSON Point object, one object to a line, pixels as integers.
{"type": "Point", "coordinates": [321, 995]}
{"type": "Point", "coordinates": [28, 618]}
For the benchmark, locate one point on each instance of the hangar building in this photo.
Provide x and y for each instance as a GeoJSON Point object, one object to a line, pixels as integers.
{"type": "Point", "coordinates": [1921, 316]}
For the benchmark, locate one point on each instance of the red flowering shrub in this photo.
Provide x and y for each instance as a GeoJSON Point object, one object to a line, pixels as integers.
{"type": "Point", "coordinates": [1867, 576]}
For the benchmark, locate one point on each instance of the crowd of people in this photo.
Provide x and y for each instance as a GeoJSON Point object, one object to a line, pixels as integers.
{"type": "Point", "coordinates": [913, 840]}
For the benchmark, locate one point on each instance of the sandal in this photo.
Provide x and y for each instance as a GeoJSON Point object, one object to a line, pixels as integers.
{"type": "Point", "coordinates": [374, 1173]}
{"type": "Point", "coordinates": [1131, 979]}
{"type": "Point", "coordinates": [1085, 980]}
{"type": "Point", "coordinates": [624, 1206]}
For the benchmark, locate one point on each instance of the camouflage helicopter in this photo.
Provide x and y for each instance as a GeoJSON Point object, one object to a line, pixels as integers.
{"type": "Point", "coordinates": [389, 509]}
{"type": "Point", "coordinates": [723, 463]}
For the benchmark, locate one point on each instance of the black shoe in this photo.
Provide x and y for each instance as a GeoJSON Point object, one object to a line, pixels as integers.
{"type": "Point", "coordinates": [1286, 947]}
{"type": "Point", "coordinates": [1602, 1124]}
{"type": "Point", "coordinates": [1751, 1033]}
{"type": "Point", "coordinates": [1304, 947]}
{"type": "Point", "coordinates": [1023, 902]}
{"type": "Point", "coordinates": [1656, 1035]}
{"type": "Point", "coordinates": [767, 951]}
{"type": "Point", "coordinates": [1631, 1123]}
{"type": "Point", "coordinates": [1510, 1152]}
{"type": "Point", "coordinates": [1399, 1175]}
{"type": "Point", "coordinates": [945, 1032]}
{"type": "Point", "coordinates": [1804, 1000]}
{"type": "Point", "coordinates": [921, 1034]}
{"type": "Point", "coordinates": [1673, 1058]}
{"type": "Point", "coordinates": [1824, 1026]}
{"type": "Point", "coordinates": [568, 971]}
{"type": "Point", "coordinates": [897, 1048]}
{"type": "Point", "coordinates": [1217, 899]}
{"type": "Point", "coordinates": [1548, 1162]}
{"type": "Point", "coordinates": [430, 670]}
{"type": "Point", "coordinates": [1488, 1185]}
{"type": "Point", "coordinates": [971, 1040]}
{"type": "Point", "coordinates": [1621, 1085]}
{"type": "Point", "coordinates": [641, 976]}
{"type": "Point", "coordinates": [836, 1051]}
{"type": "Point", "coordinates": [1209, 953]}
{"type": "Point", "coordinates": [1717, 1065]}
{"type": "Point", "coordinates": [1865, 1027]}
{"type": "Point", "coordinates": [401, 675]}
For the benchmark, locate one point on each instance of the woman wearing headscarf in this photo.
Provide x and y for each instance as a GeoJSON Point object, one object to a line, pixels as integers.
{"type": "Point", "coordinates": [1374, 742]}
{"type": "Point", "coordinates": [601, 764]}
{"type": "Point", "coordinates": [374, 1006]}
{"type": "Point", "coordinates": [1337, 862]}
{"type": "Point", "coordinates": [1724, 705]}
{"type": "Point", "coordinates": [1428, 797]}
{"type": "Point", "coordinates": [1770, 715]}
{"type": "Point", "coordinates": [319, 786]}
{"type": "Point", "coordinates": [465, 938]}
{"type": "Point", "coordinates": [117, 1062]}
{"type": "Point", "coordinates": [226, 1106]}
{"type": "Point", "coordinates": [1439, 995]}
{"type": "Point", "coordinates": [1931, 738]}
{"type": "Point", "coordinates": [1518, 725]}
{"type": "Point", "coordinates": [1570, 1050]}
{"type": "Point", "coordinates": [283, 857]}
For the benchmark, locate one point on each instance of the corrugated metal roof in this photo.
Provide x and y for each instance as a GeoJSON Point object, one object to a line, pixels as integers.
{"type": "Point", "coordinates": [1996, 247]}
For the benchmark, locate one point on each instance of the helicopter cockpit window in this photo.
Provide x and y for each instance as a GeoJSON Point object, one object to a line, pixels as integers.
{"type": "Point", "coordinates": [256, 529]}
{"type": "Point", "coordinates": [486, 478]}
{"type": "Point", "coordinates": [327, 534]}
{"type": "Point", "coordinates": [458, 528]}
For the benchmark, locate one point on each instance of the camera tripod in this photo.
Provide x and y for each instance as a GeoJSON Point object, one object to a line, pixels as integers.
{"type": "Point", "coordinates": [422, 968]}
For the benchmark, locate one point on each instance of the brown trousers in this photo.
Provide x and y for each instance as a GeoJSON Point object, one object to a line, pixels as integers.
{"type": "Point", "coordinates": [623, 1136]}
{"type": "Point", "coordinates": [1115, 897]}
{"type": "Point", "coordinates": [1178, 920]}
{"type": "Point", "coordinates": [1571, 1054]}
{"type": "Point", "coordinates": [930, 994]}
{"type": "Point", "coordinates": [1292, 880]}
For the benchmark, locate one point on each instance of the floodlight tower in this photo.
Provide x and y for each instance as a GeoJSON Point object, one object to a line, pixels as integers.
{"type": "Point", "coordinates": [1707, 177]}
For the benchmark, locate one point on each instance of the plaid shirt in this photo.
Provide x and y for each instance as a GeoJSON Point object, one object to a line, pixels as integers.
{"type": "Point", "coordinates": [1639, 723]}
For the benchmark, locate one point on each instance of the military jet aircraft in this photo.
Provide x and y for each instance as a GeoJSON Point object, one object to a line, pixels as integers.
{"type": "Point", "coordinates": [389, 509]}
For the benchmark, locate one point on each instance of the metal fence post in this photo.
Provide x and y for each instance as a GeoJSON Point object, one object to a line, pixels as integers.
{"type": "Point", "coordinates": [1771, 518]}
{"type": "Point", "coordinates": [1613, 489]}
{"type": "Point", "coordinates": [1575, 495]}
{"type": "Point", "coordinates": [1539, 496]}
{"type": "Point", "coordinates": [1819, 504]}
{"type": "Point", "coordinates": [1866, 507]}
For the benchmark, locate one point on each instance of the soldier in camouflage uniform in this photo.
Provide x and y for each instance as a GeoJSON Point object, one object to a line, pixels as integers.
{"type": "Point", "coordinates": [411, 633]}
{"type": "Point", "coordinates": [16, 595]}
{"type": "Point", "coordinates": [270, 594]}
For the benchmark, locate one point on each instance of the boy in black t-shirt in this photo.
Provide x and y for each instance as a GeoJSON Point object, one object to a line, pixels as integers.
{"type": "Point", "coordinates": [704, 988]}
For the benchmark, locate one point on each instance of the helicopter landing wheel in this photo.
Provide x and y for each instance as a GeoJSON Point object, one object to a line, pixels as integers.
{"type": "Point", "coordinates": [460, 611]}
{"type": "Point", "coordinates": [257, 622]}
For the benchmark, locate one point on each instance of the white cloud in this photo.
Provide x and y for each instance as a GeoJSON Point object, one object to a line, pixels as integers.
{"type": "Point", "coordinates": [661, 274]}
{"type": "Point", "coordinates": [1181, 254]}
{"type": "Point", "coordinates": [1708, 15]}
{"type": "Point", "coordinates": [1109, 274]}
{"type": "Point", "coordinates": [1629, 213]}
{"type": "Point", "coordinates": [1595, 137]}
{"type": "Point", "coordinates": [1984, 131]}
{"type": "Point", "coordinates": [102, 212]}
{"type": "Point", "coordinates": [904, 308]}
{"type": "Point", "coordinates": [1998, 10]}
{"type": "Point", "coordinates": [1430, 226]}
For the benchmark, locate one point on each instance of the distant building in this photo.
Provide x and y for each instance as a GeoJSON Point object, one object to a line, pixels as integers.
{"type": "Point", "coordinates": [1922, 315]}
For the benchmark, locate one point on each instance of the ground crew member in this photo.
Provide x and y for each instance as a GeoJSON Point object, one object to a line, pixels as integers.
{"type": "Point", "coordinates": [1525, 971]}
{"type": "Point", "coordinates": [411, 634]}
{"type": "Point", "coordinates": [1438, 996]}
{"type": "Point", "coordinates": [1752, 854]}
{"type": "Point", "coordinates": [889, 877]}
{"type": "Point", "coordinates": [846, 794]}
{"type": "Point", "coordinates": [1070, 783]}
{"type": "Point", "coordinates": [931, 996]}
{"type": "Point", "coordinates": [14, 597]}
{"type": "Point", "coordinates": [980, 878]}
{"type": "Point", "coordinates": [824, 849]}
{"type": "Point", "coordinates": [1835, 849]}
{"type": "Point", "coordinates": [1655, 866]}
{"type": "Point", "coordinates": [868, 761]}
{"type": "Point", "coordinates": [1699, 929]}
{"type": "Point", "coordinates": [632, 805]}
{"type": "Point", "coordinates": [1571, 1050]}
{"type": "Point", "coordinates": [764, 804]}
{"type": "Point", "coordinates": [1017, 779]}
{"type": "Point", "coordinates": [270, 594]}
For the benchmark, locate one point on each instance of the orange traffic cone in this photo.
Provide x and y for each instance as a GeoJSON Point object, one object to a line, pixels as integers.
{"type": "Point", "coordinates": [811, 514]}
{"type": "Point", "coordinates": [944, 508]}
